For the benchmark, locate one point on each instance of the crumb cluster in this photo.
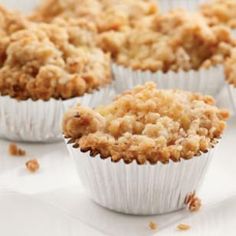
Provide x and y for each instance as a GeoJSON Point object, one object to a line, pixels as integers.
{"type": "Point", "coordinates": [183, 227]}
{"type": "Point", "coordinates": [105, 14]}
{"type": "Point", "coordinates": [51, 60]}
{"type": "Point", "coordinates": [147, 125]}
{"type": "Point", "coordinates": [230, 68]}
{"type": "Point", "coordinates": [220, 12]}
{"type": "Point", "coordinates": [193, 202]}
{"type": "Point", "coordinates": [174, 41]}
{"type": "Point", "coordinates": [32, 165]}
{"type": "Point", "coordinates": [14, 150]}
{"type": "Point", "coordinates": [153, 225]}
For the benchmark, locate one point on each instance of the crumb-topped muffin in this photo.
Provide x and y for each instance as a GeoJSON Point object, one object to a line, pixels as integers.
{"type": "Point", "coordinates": [47, 61]}
{"type": "Point", "coordinates": [147, 125]}
{"type": "Point", "coordinates": [220, 12]}
{"type": "Point", "coordinates": [174, 41]}
{"type": "Point", "coordinates": [105, 14]}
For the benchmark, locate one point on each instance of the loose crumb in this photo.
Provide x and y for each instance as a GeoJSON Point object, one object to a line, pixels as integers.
{"type": "Point", "coordinates": [152, 225]}
{"type": "Point", "coordinates": [183, 227]}
{"type": "Point", "coordinates": [193, 202]}
{"type": "Point", "coordinates": [32, 165]}
{"type": "Point", "coordinates": [14, 150]}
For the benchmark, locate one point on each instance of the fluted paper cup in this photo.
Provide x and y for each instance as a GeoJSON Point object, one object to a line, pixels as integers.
{"type": "Point", "coordinates": [206, 81]}
{"type": "Point", "coordinates": [234, 33]}
{"type": "Point", "coordinates": [232, 96]}
{"type": "Point", "coordinates": [140, 189]}
{"type": "Point", "coordinates": [167, 5]}
{"type": "Point", "coordinates": [39, 121]}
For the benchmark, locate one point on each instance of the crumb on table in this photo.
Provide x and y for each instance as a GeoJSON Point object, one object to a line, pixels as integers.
{"type": "Point", "coordinates": [14, 150]}
{"type": "Point", "coordinates": [153, 225]}
{"type": "Point", "coordinates": [32, 165]}
{"type": "Point", "coordinates": [183, 227]}
{"type": "Point", "coordinates": [193, 202]}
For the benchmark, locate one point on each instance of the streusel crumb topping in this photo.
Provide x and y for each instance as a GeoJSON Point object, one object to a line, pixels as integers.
{"type": "Point", "coordinates": [106, 14]}
{"type": "Point", "coordinates": [178, 40]}
{"type": "Point", "coordinates": [220, 12]}
{"type": "Point", "coordinates": [49, 60]}
{"type": "Point", "coordinates": [230, 68]}
{"type": "Point", "coordinates": [147, 124]}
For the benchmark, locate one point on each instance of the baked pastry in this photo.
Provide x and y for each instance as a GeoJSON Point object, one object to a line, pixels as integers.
{"type": "Point", "coordinates": [44, 69]}
{"type": "Point", "coordinates": [47, 61]}
{"type": "Point", "coordinates": [174, 41]}
{"type": "Point", "coordinates": [220, 12]}
{"type": "Point", "coordinates": [105, 14]}
{"type": "Point", "coordinates": [151, 148]}
{"type": "Point", "coordinates": [147, 125]}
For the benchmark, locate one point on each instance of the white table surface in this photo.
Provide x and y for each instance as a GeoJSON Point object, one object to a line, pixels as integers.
{"type": "Point", "coordinates": [53, 202]}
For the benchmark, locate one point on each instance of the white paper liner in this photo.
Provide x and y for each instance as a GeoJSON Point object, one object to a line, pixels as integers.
{"type": "Point", "coordinates": [140, 189]}
{"type": "Point", "coordinates": [232, 96]}
{"type": "Point", "coordinates": [167, 5]}
{"type": "Point", "coordinates": [234, 33]}
{"type": "Point", "coordinates": [206, 81]}
{"type": "Point", "coordinates": [39, 121]}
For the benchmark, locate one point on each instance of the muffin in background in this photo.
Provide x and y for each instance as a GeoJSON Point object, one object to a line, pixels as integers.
{"type": "Point", "coordinates": [105, 14]}
{"type": "Point", "coordinates": [44, 69]}
{"type": "Point", "coordinates": [147, 150]}
{"type": "Point", "coordinates": [176, 50]}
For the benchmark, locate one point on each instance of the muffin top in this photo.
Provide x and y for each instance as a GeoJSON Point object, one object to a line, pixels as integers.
{"type": "Point", "coordinates": [105, 14]}
{"type": "Point", "coordinates": [46, 61]}
{"type": "Point", "coordinates": [230, 68]}
{"type": "Point", "coordinates": [147, 125]}
{"type": "Point", "coordinates": [174, 41]}
{"type": "Point", "coordinates": [220, 12]}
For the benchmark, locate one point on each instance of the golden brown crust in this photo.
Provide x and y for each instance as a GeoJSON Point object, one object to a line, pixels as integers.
{"type": "Point", "coordinates": [147, 125]}
{"type": "Point", "coordinates": [220, 12]}
{"type": "Point", "coordinates": [230, 69]}
{"type": "Point", "coordinates": [106, 14]}
{"type": "Point", "coordinates": [47, 61]}
{"type": "Point", "coordinates": [178, 40]}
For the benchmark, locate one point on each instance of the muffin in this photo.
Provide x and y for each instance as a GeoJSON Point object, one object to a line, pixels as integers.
{"type": "Point", "coordinates": [177, 50]}
{"type": "Point", "coordinates": [105, 14]}
{"type": "Point", "coordinates": [45, 67]}
{"type": "Point", "coordinates": [230, 74]}
{"type": "Point", "coordinates": [147, 150]}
